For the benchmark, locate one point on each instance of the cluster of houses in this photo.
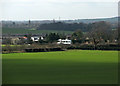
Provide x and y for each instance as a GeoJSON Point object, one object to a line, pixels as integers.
{"type": "Point", "coordinates": [23, 39]}
{"type": "Point", "coordinates": [16, 40]}
{"type": "Point", "coordinates": [60, 41]}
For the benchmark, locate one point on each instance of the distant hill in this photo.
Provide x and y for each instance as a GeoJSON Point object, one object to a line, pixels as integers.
{"type": "Point", "coordinates": [110, 20]}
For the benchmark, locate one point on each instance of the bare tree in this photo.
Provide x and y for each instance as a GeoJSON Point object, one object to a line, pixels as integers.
{"type": "Point", "coordinates": [100, 31]}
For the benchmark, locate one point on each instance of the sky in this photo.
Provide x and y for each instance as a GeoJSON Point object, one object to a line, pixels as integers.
{"type": "Point", "coordinates": [57, 9]}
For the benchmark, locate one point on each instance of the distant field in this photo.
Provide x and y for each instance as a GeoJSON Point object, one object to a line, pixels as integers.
{"type": "Point", "coordinates": [26, 31]}
{"type": "Point", "coordinates": [64, 67]}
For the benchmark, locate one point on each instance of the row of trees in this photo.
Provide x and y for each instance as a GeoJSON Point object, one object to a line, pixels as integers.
{"type": "Point", "coordinates": [73, 26]}
{"type": "Point", "coordinates": [64, 26]}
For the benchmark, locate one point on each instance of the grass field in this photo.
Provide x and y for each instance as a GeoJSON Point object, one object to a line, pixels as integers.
{"type": "Point", "coordinates": [62, 67]}
{"type": "Point", "coordinates": [27, 31]}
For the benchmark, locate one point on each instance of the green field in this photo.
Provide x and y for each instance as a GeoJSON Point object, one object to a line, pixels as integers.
{"type": "Point", "coordinates": [28, 31]}
{"type": "Point", "coordinates": [62, 67]}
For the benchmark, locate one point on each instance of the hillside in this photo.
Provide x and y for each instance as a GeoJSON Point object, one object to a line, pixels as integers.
{"type": "Point", "coordinates": [110, 20]}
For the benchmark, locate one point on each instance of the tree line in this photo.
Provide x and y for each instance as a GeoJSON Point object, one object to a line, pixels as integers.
{"type": "Point", "coordinates": [73, 26]}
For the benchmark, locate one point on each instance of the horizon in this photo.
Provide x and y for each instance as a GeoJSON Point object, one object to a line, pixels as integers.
{"type": "Point", "coordinates": [63, 19]}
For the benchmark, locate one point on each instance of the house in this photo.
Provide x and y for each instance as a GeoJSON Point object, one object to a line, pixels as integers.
{"type": "Point", "coordinates": [35, 39]}
{"type": "Point", "coordinates": [64, 41]}
{"type": "Point", "coordinates": [41, 37]}
{"type": "Point", "coordinates": [87, 41]}
{"type": "Point", "coordinates": [15, 40]}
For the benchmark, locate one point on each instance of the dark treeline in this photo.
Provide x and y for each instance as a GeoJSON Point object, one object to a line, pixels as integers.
{"type": "Point", "coordinates": [73, 26]}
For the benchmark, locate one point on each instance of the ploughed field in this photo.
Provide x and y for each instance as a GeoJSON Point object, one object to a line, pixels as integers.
{"type": "Point", "coordinates": [61, 67]}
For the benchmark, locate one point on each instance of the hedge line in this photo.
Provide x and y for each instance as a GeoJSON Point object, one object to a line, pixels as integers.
{"type": "Point", "coordinates": [43, 50]}
{"type": "Point", "coordinates": [98, 47]}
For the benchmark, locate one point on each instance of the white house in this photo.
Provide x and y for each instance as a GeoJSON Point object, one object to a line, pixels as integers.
{"type": "Point", "coordinates": [64, 41]}
{"type": "Point", "coordinates": [41, 37]}
{"type": "Point", "coordinates": [35, 39]}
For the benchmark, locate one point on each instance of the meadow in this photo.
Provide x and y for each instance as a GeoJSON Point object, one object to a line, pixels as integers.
{"type": "Point", "coordinates": [61, 67]}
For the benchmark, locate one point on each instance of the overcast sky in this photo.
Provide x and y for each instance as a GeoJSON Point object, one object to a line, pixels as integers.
{"type": "Point", "coordinates": [53, 9]}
